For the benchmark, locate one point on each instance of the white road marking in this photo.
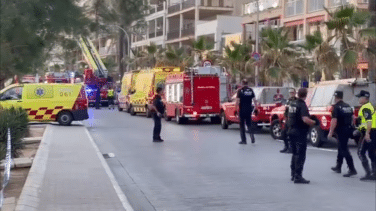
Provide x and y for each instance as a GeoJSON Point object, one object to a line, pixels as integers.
{"type": "Point", "coordinates": [115, 184]}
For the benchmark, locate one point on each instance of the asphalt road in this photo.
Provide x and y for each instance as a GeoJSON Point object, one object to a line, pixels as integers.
{"type": "Point", "coordinates": [202, 167]}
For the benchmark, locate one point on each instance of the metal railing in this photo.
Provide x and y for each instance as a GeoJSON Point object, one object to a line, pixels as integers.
{"type": "Point", "coordinates": [159, 33]}
{"type": "Point", "coordinates": [151, 34]}
{"type": "Point", "coordinates": [188, 4]}
{"type": "Point", "coordinates": [159, 7]}
{"type": "Point", "coordinates": [173, 8]}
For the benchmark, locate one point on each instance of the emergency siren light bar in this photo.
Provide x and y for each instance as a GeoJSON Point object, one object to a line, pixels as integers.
{"type": "Point", "coordinates": [92, 57]}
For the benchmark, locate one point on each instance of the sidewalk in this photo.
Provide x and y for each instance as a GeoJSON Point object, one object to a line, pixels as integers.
{"type": "Point", "coordinates": [68, 173]}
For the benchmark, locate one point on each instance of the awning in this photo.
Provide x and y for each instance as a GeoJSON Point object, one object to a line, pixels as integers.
{"type": "Point", "coordinates": [316, 19]}
{"type": "Point", "coordinates": [294, 23]}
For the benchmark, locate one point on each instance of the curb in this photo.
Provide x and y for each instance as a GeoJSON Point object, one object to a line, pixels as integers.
{"type": "Point", "coordinates": [29, 196]}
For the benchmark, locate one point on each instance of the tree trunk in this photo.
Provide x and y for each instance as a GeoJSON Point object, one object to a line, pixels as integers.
{"type": "Point", "coordinates": [121, 52]}
{"type": "Point", "coordinates": [372, 43]}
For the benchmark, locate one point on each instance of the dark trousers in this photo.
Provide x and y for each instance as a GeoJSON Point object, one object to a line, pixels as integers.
{"type": "Point", "coordinates": [343, 149]}
{"type": "Point", "coordinates": [299, 149]}
{"type": "Point", "coordinates": [97, 99]}
{"type": "Point", "coordinates": [111, 101]}
{"type": "Point", "coordinates": [157, 127]}
{"type": "Point", "coordinates": [369, 147]}
{"type": "Point", "coordinates": [245, 119]}
{"type": "Point", "coordinates": [286, 138]}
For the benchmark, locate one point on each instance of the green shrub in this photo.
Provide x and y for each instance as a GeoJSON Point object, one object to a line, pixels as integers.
{"type": "Point", "coordinates": [17, 120]}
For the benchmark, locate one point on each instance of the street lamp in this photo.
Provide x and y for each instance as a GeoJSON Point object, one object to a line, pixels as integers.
{"type": "Point", "coordinates": [257, 42]}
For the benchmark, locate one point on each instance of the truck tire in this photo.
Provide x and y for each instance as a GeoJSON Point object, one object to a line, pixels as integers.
{"type": "Point", "coordinates": [128, 108]}
{"type": "Point", "coordinates": [148, 112]}
{"type": "Point", "coordinates": [276, 129]}
{"type": "Point", "coordinates": [224, 123]}
{"type": "Point", "coordinates": [132, 112]}
{"type": "Point", "coordinates": [316, 136]}
{"type": "Point", "coordinates": [167, 118]}
{"type": "Point", "coordinates": [65, 118]}
{"type": "Point", "coordinates": [119, 108]}
{"type": "Point", "coordinates": [180, 120]}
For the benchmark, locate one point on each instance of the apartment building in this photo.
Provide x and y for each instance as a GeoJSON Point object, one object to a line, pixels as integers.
{"type": "Point", "coordinates": [300, 17]}
{"type": "Point", "coordinates": [178, 22]}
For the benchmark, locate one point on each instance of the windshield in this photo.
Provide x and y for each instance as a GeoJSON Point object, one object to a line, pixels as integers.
{"type": "Point", "coordinates": [324, 95]}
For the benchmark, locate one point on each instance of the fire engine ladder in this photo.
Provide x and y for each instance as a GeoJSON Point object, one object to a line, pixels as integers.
{"type": "Point", "coordinates": [92, 57]}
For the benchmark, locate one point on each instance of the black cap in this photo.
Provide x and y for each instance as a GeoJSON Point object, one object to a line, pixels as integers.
{"type": "Point", "coordinates": [363, 93]}
{"type": "Point", "coordinates": [338, 94]}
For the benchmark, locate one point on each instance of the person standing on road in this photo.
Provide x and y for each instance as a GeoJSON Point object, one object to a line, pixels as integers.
{"type": "Point", "coordinates": [298, 123]}
{"type": "Point", "coordinates": [111, 97]}
{"type": "Point", "coordinates": [286, 139]}
{"type": "Point", "coordinates": [159, 109]}
{"type": "Point", "coordinates": [244, 105]}
{"type": "Point", "coordinates": [97, 97]}
{"type": "Point", "coordinates": [341, 124]}
{"type": "Point", "coordinates": [367, 117]}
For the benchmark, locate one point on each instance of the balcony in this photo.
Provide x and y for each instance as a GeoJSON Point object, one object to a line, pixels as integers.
{"type": "Point", "coordinates": [173, 34]}
{"type": "Point", "coordinates": [216, 3]}
{"type": "Point", "coordinates": [188, 4]}
{"type": "Point", "coordinates": [188, 32]}
{"type": "Point", "coordinates": [159, 7]}
{"type": "Point", "coordinates": [151, 35]}
{"type": "Point", "coordinates": [173, 8]}
{"type": "Point", "coordinates": [159, 33]}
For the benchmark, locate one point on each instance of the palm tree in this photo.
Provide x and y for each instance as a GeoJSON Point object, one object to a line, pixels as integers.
{"type": "Point", "coordinates": [201, 47]}
{"type": "Point", "coordinates": [280, 60]}
{"type": "Point", "coordinates": [322, 54]}
{"type": "Point", "coordinates": [177, 57]}
{"type": "Point", "coordinates": [346, 23]}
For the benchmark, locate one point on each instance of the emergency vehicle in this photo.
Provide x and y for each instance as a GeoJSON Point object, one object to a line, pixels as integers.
{"type": "Point", "coordinates": [127, 89]}
{"type": "Point", "coordinates": [320, 103]}
{"type": "Point", "coordinates": [31, 79]}
{"type": "Point", "coordinates": [55, 77]}
{"type": "Point", "coordinates": [145, 88]}
{"type": "Point", "coordinates": [63, 103]}
{"type": "Point", "coordinates": [268, 98]}
{"type": "Point", "coordinates": [95, 78]}
{"type": "Point", "coordinates": [192, 95]}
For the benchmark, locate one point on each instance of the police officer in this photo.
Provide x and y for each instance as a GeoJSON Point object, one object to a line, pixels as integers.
{"type": "Point", "coordinates": [298, 123]}
{"type": "Point", "coordinates": [287, 148]}
{"type": "Point", "coordinates": [111, 97]}
{"type": "Point", "coordinates": [159, 110]}
{"type": "Point", "coordinates": [367, 117]}
{"type": "Point", "coordinates": [244, 104]}
{"type": "Point", "coordinates": [341, 124]}
{"type": "Point", "coordinates": [97, 97]}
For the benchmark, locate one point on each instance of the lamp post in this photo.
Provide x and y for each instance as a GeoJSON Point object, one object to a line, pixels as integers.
{"type": "Point", "coordinates": [126, 34]}
{"type": "Point", "coordinates": [257, 41]}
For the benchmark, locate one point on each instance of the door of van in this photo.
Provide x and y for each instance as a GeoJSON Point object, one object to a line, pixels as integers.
{"type": "Point", "coordinates": [12, 97]}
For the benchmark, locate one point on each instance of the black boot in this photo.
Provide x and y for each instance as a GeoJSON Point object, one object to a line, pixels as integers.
{"type": "Point", "coordinates": [284, 150]}
{"type": "Point", "coordinates": [352, 170]}
{"type": "Point", "coordinates": [368, 175]}
{"type": "Point", "coordinates": [252, 138]}
{"type": "Point", "coordinates": [300, 180]}
{"type": "Point", "coordinates": [336, 169]}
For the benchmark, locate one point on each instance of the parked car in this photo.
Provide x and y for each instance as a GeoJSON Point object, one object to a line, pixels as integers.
{"type": "Point", "coordinates": [268, 97]}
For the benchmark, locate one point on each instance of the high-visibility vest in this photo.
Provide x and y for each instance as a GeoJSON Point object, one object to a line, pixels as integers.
{"type": "Point", "coordinates": [110, 93]}
{"type": "Point", "coordinates": [364, 122]}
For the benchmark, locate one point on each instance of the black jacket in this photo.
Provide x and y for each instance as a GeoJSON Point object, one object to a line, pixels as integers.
{"type": "Point", "coordinates": [158, 104]}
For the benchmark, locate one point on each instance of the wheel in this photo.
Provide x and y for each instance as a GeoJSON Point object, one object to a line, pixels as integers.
{"type": "Point", "coordinates": [215, 120]}
{"type": "Point", "coordinates": [148, 112]}
{"type": "Point", "coordinates": [167, 118]}
{"type": "Point", "coordinates": [119, 108]}
{"type": "Point", "coordinates": [276, 129]}
{"type": "Point", "coordinates": [179, 120]}
{"type": "Point", "coordinates": [316, 136]}
{"type": "Point", "coordinates": [65, 118]}
{"type": "Point", "coordinates": [224, 123]}
{"type": "Point", "coordinates": [132, 112]}
{"type": "Point", "coordinates": [128, 108]}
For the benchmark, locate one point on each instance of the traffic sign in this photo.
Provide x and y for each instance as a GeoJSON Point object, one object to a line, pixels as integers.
{"type": "Point", "coordinates": [256, 56]}
{"type": "Point", "coordinates": [207, 63]}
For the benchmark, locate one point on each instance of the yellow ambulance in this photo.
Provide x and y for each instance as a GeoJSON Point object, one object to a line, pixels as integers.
{"type": "Point", "coordinates": [63, 103]}
{"type": "Point", "coordinates": [127, 89]}
{"type": "Point", "coordinates": [146, 86]}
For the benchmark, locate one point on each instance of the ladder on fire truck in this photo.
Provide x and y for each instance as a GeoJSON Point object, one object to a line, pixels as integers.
{"type": "Point", "coordinates": [92, 57]}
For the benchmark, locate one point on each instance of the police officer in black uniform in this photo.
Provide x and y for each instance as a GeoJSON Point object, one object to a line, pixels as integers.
{"type": "Point", "coordinates": [298, 124]}
{"type": "Point", "coordinates": [286, 140]}
{"type": "Point", "coordinates": [159, 110]}
{"type": "Point", "coordinates": [341, 124]}
{"type": "Point", "coordinates": [244, 103]}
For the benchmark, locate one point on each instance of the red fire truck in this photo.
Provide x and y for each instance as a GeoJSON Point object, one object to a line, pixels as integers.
{"type": "Point", "coordinates": [55, 77]}
{"type": "Point", "coordinates": [268, 97]}
{"type": "Point", "coordinates": [192, 96]}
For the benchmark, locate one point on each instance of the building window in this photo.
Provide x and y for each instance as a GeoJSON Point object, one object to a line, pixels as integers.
{"type": "Point", "coordinates": [337, 3]}
{"type": "Point", "coordinates": [263, 5]}
{"type": "Point", "coordinates": [296, 32]}
{"type": "Point", "coordinates": [294, 7]}
{"type": "Point", "coordinates": [315, 5]}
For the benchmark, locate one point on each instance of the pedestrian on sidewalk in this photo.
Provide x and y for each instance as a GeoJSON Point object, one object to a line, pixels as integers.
{"type": "Point", "coordinates": [158, 112]}
{"type": "Point", "coordinates": [341, 124]}
{"type": "Point", "coordinates": [367, 115]}
{"type": "Point", "coordinates": [245, 108]}
{"type": "Point", "coordinates": [298, 123]}
{"type": "Point", "coordinates": [286, 139]}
